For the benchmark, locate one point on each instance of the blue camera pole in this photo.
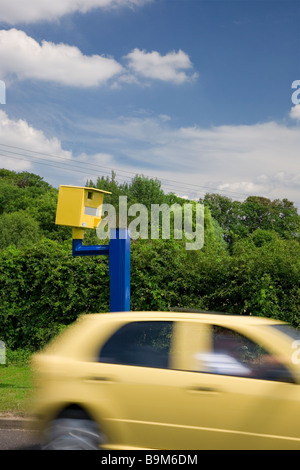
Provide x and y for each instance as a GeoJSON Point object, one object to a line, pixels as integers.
{"type": "Point", "coordinates": [119, 270]}
{"type": "Point", "coordinates": [118, 252]}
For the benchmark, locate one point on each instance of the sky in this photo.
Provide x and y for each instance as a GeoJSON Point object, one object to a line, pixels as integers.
{"type": "Point", "coordinates": [203, 95]}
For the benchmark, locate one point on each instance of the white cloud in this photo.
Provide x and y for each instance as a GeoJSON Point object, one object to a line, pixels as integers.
{"type": "Point", "coordinates": [24, 57]}
{"type": "Point", "coordinates": [172, 67]}
{"type": "Point", "coordinates": [260, 159]}
{"type": "Point", "coordinates": [17, 135]}
{"type": "Point", "coordinates": [25, 148]}
{"type": "Point", "coordinates": [278, 185]}
{"type": "Point", "coordinates": [241, 187]}
{"type": "Point", "coordinates": [295, 112]}
{"type": "Point", "coordinates": [29, 11]}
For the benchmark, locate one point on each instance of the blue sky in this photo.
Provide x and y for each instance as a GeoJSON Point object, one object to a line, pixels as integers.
{"type": "Point", "coordinates": [194, 92]}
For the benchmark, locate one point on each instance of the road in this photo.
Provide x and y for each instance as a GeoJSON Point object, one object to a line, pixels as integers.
{"type": "Point", "coordinates": [16, 434]}
{"type": "Point", "coordinates": [17, 439]}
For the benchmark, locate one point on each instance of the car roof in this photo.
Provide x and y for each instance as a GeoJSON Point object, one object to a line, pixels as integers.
{"type": "Point", "coordinates": [205, 316]}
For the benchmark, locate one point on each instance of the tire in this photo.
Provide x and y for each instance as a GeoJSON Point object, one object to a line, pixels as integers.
{"type": "Point", "coordinates": [69, 433]}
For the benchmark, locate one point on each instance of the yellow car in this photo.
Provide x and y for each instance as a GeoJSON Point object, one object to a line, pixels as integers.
{"type": "Point", "coordinates": [169, 380]}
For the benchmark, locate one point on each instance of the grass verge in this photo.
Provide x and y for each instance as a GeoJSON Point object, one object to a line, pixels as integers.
{"type": "Point", "coordinates": [16, 383]}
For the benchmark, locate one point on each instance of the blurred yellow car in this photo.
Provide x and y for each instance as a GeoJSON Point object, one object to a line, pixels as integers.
{"type": "Point", "coordinates": [170, 380]}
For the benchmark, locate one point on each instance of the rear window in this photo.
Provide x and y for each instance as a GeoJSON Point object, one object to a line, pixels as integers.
{"type": "Point", "coordinates": [145, 344]}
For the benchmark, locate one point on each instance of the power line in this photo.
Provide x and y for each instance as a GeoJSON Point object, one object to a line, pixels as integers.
{"type": "Point", "coordinates": [167, 182]}
{"type": "Point", "coordinates": [98, 166]}
{"type": "Point", "coordinates": [70, 165]}
{"type": "Point", "coordinates": [67, 165]}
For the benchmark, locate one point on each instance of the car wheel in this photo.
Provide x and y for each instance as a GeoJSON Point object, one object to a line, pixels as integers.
{"type": "Point", "coordinates": [68, 433]}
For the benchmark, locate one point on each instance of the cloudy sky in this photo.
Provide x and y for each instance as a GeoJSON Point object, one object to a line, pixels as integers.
{"type": "Point", "coordinates": [202, 94]}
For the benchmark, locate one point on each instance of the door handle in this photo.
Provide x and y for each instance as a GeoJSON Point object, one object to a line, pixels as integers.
{"type": "Point", "coordinates": [203, 389]}
{"type": "Point", "coordinates": [99, 379]}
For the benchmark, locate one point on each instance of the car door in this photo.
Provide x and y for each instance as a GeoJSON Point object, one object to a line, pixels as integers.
{"type": "Point", "coordinates": [140, 383]}
{"type": "Point", "coordinates": [234, 404]}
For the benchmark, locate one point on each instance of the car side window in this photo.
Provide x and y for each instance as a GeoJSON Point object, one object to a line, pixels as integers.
{"type": "Point", "coordinates": [142, 343]}
{"type": "Point", "coordinates": [236, 355]}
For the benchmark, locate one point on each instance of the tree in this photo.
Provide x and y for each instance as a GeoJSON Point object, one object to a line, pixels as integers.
{"type": "Point", "coordinates": [23, 179]}
{"type": "Point", "coordinates": [147, 191]}
{"type": "Point", "coordinates": [240, 219]}
{"type": "Point", "coordinates": [43, 210]}
{"type": "Point", "coordinates": [19, 229]}
{"type": "Point", "coordinates": [277, 215]}
{"type": "Point", "coordinates": [228, 214]}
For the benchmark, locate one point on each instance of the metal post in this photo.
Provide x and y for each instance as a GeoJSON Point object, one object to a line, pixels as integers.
{"type": "Point", "coordinates": [89, 250]}
{"type": "Point", "coordinates": [119, 270]}
{"type": "Point", "coordinates": [118, 251]}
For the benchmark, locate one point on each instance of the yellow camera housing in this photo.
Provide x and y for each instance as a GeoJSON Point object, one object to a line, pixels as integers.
{"type": "Point", "coordinates": [79, 207]}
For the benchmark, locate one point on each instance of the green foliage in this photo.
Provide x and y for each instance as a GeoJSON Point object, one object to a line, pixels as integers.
{"type": "Point", "coordinates": [23, 179]}
{"type": "Point", "coordinates": [257, 280]}
{"type": "Point", "coordinates": [31, 201]}
{"type": "Point", "coordinates": [19, 229]}
{"type": "Point", "coordinates": [18, 191]}
{"type": "Point", "coordinates": [140, 190]}
{"type": "Point", "coordinates": [145, 191]}
{"type": "Point", "coordinates": [249, 264]}
{"type": "Point", "coordinates": [43, 288]}
{"type": "Point", "coordinates": [240, 219]}
{"type": "Point", "coordinates": [18, 357]}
